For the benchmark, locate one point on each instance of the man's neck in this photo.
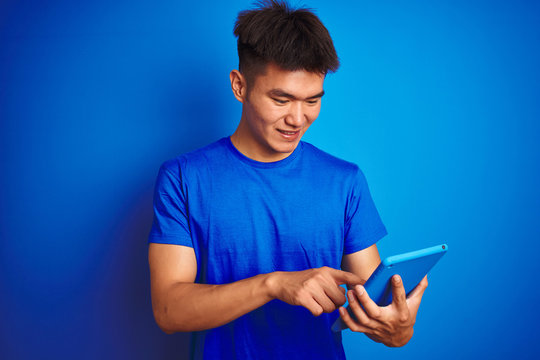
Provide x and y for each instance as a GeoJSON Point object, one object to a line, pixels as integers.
{"type": "Point", "coordinates": [250, 148]}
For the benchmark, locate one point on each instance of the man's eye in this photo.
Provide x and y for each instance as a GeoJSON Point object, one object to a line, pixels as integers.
{"type": "Point", "coordinates": [313, 102]}
{"type": "Point", "coordinates": [279, 101]}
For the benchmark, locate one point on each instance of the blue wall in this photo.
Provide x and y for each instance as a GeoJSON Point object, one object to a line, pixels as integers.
{"type": "Point", "coordinates": [437, 101]}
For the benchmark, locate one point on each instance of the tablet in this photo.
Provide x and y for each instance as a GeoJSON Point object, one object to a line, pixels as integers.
{"type": "Point", "coordinates": [411, 266]}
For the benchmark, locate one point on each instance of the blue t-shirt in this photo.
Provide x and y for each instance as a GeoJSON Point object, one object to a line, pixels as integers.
{"type": "Point", "coordinates": [245, 217]}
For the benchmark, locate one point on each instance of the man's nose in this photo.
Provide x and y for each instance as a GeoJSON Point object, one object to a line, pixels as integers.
{"type": "Point", "coordinates": [296, 115]}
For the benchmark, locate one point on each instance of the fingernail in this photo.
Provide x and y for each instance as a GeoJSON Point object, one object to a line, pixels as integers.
{"type": "Point", "coordinates": [396, 279]}
{"type": "Point", "coordinates": [360, 290]}
{"type": "Point", "coordinates": [350, 295]}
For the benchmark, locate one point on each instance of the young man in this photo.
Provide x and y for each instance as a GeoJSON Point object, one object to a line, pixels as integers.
{"type": "Point", "coordinates": [250, 232]}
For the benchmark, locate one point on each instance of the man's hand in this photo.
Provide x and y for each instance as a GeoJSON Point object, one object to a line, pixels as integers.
{"type": "Point", "coordinates": [391, 325]}
{"type": "Point", "coordinates": [317, 290]}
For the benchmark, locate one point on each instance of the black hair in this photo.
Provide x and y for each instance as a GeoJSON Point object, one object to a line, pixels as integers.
{"type": "Point", "coordinates": [293, 39]}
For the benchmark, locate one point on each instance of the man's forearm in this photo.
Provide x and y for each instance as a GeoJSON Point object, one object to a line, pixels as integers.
{"type": "Point", "coordinates": [194, 307]}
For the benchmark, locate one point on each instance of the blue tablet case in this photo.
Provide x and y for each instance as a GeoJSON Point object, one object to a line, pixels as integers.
{"type": "Point", "coordinates": [411, 266]}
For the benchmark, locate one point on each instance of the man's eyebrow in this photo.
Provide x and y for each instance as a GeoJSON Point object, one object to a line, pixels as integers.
{"type": "Point", "coordinates": [282, 93]}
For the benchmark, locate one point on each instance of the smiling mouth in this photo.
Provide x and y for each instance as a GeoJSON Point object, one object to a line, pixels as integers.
{"type": "Point", "coordinates": [289, 132]}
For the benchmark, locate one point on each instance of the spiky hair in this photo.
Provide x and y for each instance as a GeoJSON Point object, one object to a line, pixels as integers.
{"type": "Point", "coordinates": [293, 39]}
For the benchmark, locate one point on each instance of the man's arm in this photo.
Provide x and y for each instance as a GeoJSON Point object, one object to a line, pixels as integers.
{"type": "Point", "coordinates": [391, 325]}
{"type": "Point", "coordinates": [362, 263]}
{"type": "Point", "coordinates": [179, 304]}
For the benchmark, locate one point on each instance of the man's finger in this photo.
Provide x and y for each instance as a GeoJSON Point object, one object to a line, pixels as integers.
{"type": "Point", "coordinates": [415, 297]}
{"type": "Point", "coordinates": [361, 317]}
{"type": "Point", "coordinates": [399, 297]}
{"type": "Point", "coordinates": [371, 308]}
{"type": "Point", "coordinates": [313, 306]}
{"type": "Point", "coordinates": [350, 323]}
{"type": "Point", "coordinates": [329, 299]}
{"type": "Point", "coordinates": [344, 277]}
{"type": "Point", "coordinates": [418, 291]}
{"type": "Point", "coordinates": [336, 293]}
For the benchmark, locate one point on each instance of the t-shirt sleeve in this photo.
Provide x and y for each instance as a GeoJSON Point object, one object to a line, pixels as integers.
{"type": "Point", "coordinates": [171, 212]}
{"type": "Point", "coordinates": [363, 225]}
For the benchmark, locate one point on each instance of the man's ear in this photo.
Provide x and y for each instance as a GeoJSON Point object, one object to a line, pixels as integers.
{"type": "Point", "coordinates": [238, 85]}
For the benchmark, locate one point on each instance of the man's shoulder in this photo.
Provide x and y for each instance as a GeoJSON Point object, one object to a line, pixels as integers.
{"type": "Point", "coordinates": [197, 158]}
{"type": "Point", "coordinates": [325, 160]}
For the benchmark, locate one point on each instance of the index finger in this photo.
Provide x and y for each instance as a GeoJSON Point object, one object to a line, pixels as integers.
{"type": "Point", "coordinates": [415, 296]}
{"type": "Point", "coordinates": [419, 289]}
{"type": "Point", "coordinates": [343, 277]}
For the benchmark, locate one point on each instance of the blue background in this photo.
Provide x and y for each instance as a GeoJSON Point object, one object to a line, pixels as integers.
{"type": "Point", "coordinates": [437, 101]}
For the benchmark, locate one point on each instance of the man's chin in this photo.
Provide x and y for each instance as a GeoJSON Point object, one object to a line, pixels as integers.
{"type": "Point", "coordinates": [286, 149]}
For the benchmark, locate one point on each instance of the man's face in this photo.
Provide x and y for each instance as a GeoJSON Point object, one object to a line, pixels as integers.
{"type": "Point", "coordinates": [278, 109]}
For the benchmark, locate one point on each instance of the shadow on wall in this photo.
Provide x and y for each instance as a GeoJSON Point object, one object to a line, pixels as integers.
{"type": "Point", "coordinates": [129, 291]}
{"type": "Point", "coordinates": [131, 329]}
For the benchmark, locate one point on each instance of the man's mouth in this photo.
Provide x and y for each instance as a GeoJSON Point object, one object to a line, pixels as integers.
{"type": "Point", "coordinates": [289, 135]}
{"type": "Point", "coordinates": [288, 132]}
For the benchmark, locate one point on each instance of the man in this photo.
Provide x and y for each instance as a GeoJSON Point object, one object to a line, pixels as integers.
{"type": "Point", "coordinates": [250, 232]}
